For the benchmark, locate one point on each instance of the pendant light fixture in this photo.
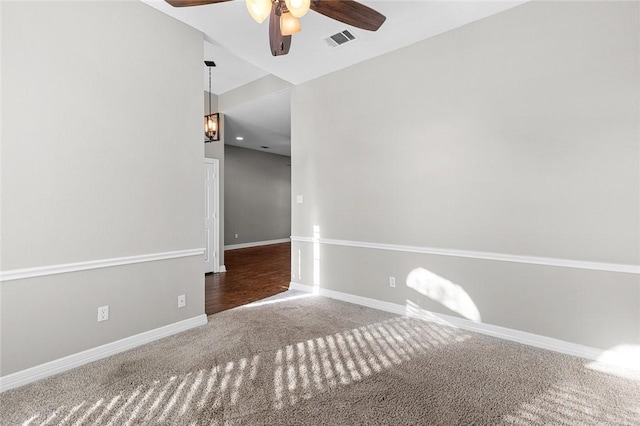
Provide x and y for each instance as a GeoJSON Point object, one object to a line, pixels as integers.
{"type": "Point", "coordinates": [211, 120]}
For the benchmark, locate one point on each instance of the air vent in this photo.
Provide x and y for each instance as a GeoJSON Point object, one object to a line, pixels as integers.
{"type": "Point", "coordinates": [340, 38]}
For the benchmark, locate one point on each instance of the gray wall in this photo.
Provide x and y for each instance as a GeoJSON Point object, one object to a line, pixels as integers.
{"type": "Point", "coordinates": [101, 159]}
{"type": "Point", "coordinates": [258, 196]}
{"type": "Point", "coordinates": [216, 150]}
{"type": "Point", "coordinates": [517, 134]}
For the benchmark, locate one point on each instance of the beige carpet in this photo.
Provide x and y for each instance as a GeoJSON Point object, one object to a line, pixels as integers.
{"type": "Point", "coordinates": [310, 360]}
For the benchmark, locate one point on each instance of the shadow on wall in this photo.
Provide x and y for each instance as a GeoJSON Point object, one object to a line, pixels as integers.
{"type": "Point", "coordinates": [443, 291]}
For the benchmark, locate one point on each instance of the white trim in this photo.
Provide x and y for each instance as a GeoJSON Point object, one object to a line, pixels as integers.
{"type": "Point", "coordinates": [547, 261]}
{"type": "Point", "coordinates": [465, 324]}
{"type": "Point", "coordinates": [222, 268]}
{"type": "Point", "coordinates": [216, 265]}
{"type": "Point", "coordinates": [39, 271]}
{"type": "Point", "coordinates": [256, 244]}
{"type": "Point", "coordinates": [216, 214]}
{"type": "Point", "coordinates": [70, 362]}
{"type": "Point", "coordinates": [300, 287]}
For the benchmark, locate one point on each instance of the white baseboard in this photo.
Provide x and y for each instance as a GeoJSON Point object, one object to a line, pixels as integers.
{"type": "Point", "coordinates": [256, 244]}
{"type": "Point", "coordinates": [222, 268]}
{"type": "Point", "coordinates": [70, 362]}
{"type": "Point", "coordinates": [488, 329]}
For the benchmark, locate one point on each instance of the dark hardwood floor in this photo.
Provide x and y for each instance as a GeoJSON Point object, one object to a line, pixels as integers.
{"type": "Point", "coordinates": [253, 273]}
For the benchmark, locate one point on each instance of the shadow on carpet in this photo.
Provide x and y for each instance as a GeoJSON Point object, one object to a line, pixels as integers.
{"type": "Point", "coordinates": [306, 360]}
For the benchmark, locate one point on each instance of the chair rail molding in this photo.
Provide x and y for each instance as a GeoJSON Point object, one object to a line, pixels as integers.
{"type": "Point", "coordinates": [39, 271]}
{"type": "Point", "coordinates": [546, 261]}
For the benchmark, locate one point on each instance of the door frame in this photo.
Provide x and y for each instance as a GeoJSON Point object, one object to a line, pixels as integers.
{"type": "Point", "coordinates": [215, 196]}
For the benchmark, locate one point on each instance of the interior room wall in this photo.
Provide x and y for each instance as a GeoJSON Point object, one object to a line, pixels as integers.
{"type": "Point", "coordinates": [102, 163]}
{"type": "Point", "coordinates": [258, 196]}
{"type": "Point", "coordinates": [516, 136]}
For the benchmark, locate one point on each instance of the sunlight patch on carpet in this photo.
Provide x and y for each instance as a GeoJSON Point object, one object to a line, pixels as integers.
{"type": "Point", "coordinates": [220, 383]}
{"type": "Point", "coordinates": [567, 404]}
{"type": "Point", "coordinates": [622, 361]}
{"type": "Point", "coordinates": [272, 301]}
{"type": "Point", "coordinates": [307, 368]}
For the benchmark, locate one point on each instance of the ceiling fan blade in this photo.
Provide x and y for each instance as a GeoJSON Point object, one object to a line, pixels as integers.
{"type": "Point", "coordinates": [279, 43]}
{"type": "Point", "coordinates": [187, 3]}
{"type": "Point", "coordinates": [350, 12]}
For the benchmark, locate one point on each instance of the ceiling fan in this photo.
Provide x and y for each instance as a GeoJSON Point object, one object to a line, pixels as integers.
{"type": "Point", "coordinates": [283, 16]}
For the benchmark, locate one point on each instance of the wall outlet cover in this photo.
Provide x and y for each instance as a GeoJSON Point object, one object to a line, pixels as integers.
{"type": "Point", "coordinates": [103, 313]}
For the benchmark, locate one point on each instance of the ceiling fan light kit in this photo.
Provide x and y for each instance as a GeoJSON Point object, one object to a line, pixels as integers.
{"type": "Point", "coordinates": [298, 8]}
{"type": "Point", "coordinates": [283, 16]}
{"type": "Point", "coordinates": [259, 9]}
{"type": "Point", "coordinates": [289, 24]}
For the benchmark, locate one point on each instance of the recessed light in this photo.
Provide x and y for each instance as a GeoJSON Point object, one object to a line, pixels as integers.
{"type": "Point", "coordinates": [264, 147]}
{"type": "Point", "coordinates": [239, 138]}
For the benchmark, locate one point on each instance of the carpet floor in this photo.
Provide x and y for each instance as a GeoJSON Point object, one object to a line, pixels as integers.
{"type": "Point", "coordinates": [306, 360]}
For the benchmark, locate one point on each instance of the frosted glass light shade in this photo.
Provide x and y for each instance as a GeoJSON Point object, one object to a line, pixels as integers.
{"type": "Point", "coordinates": [289, 24]}
{"type": "Point", "coordinates": [298, 8]}
{"type": "Point", "coordinates": [259, 9]}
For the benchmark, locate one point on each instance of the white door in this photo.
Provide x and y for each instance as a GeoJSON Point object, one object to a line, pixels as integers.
{"type": "Point", "coordinates": [211, 216]}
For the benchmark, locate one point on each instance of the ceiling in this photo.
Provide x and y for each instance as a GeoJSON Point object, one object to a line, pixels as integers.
{"type": "Point", "coordinates": [240, 48]}
{"type": "Point", "coordinates": [230, 71]}
{"type": "Point", "coordinates": [262, 122]}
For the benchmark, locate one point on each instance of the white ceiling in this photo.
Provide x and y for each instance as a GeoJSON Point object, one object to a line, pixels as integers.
{"type": "Point", "coordinates": [242, 44]}
{"type": "Point", "coordinates": [230, 71]}
{"type": "Point", "coordinates": [240, 48]}
{"type": "Point", "coordinates": [262, 122]}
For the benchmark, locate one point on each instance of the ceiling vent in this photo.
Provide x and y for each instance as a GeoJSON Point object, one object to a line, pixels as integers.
{"type": "Point", "coordinates": [340, 38]}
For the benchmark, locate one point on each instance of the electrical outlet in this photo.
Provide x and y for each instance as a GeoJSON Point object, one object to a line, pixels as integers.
{"type": "Point", "coordinates": [236, 235]}
{"type": "Point", "coordinates": [392, 281]}
{"type": "Point", "coordinates": [103, 313]}
{"type": "Point", "coordinates": [182, 301]}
